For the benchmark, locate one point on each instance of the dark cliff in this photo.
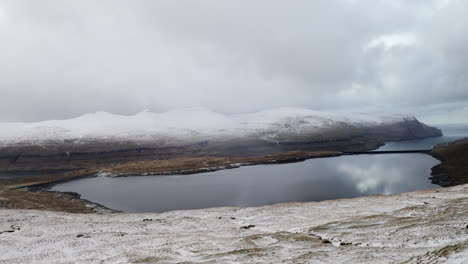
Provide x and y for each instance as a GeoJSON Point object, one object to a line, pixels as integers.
{"type": "Point", "coordinates": [453, 169]}
{"type": "Point", "coordinates": [93, 153]}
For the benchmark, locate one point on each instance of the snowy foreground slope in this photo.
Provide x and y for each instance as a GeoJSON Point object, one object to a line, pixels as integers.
{"type": "Point", "coordinates": [185, 125]}
{"type": "Point", "coordinates": [419, 227]}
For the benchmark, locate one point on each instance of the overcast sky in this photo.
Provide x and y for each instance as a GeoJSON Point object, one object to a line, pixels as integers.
{"type": "Point", "coordinates": [61, 59]}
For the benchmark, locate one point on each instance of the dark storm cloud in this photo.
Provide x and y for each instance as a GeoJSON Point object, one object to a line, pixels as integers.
{"type": "Point", "coordinates": [60, 59]}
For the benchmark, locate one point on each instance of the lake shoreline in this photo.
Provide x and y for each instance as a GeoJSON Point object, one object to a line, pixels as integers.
{"type": "Point", "coordinates": [18, 189]}
{"type": "Point", "coordinates": [151, 168]}
{"type": "Point", "coordinates": [34, 193]}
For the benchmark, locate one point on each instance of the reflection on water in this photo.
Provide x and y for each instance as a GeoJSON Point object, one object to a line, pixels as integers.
{"type": "Point", "coordinates": [311, 180]}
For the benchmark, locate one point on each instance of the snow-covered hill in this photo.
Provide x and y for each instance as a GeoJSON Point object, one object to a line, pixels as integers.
{"type": "Point", "coordinates": [418, 227]}
{"type": "Point", "coordinates": [187, 125]}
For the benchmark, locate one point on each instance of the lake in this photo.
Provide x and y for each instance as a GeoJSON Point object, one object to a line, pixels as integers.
{"type": "Point", "coordinates": [311, 180]}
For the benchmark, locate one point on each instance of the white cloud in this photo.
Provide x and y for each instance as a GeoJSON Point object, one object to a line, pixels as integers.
{"type": "Point", "coordinates": [60, 59]}
{"type": "Point", "coordinates": [392, 40]}
{"type": "Point", "coordinates": [3, 14]}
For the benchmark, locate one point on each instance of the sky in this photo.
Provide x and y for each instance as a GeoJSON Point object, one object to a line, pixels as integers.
{"type": "Point", "coordinates": [61, 59]}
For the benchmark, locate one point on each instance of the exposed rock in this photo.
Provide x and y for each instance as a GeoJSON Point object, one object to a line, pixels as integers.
{"type": "Point", "coordinates": [454, 167]}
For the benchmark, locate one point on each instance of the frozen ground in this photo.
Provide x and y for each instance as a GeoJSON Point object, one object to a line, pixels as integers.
{"type": "Point", "coordinates": [420, 227]}
{"type": "Point", "coordinates": [184, 125]}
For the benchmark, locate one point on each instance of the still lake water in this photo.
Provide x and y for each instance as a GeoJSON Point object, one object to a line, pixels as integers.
{"type": "Point", "coordinates": [311, 180]}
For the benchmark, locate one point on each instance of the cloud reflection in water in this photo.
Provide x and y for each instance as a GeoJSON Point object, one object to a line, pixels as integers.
{"type": "Point", "coordinates": [312, 180]}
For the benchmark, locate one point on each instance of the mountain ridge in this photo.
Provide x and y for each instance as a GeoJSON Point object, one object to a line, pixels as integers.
{"type": "Point", "coordinates": [101, 139]}
{"type": "Point", "coordinates": [188, 125]}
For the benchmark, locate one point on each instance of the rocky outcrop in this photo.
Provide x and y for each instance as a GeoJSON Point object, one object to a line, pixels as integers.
{"type": "Point", "coordinates": [454, 167]}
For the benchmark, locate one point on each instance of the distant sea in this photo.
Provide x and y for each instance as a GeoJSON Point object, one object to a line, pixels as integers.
{"type": "Point", "coordinates": [450, 132]}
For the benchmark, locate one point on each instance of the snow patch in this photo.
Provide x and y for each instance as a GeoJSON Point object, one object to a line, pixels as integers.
{"type": "Point", "coordinates": [372, 229]}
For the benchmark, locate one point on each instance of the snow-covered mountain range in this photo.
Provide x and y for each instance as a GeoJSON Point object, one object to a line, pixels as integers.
{"type": "Point", "coordinates": [188, 125]}
{"type": "Point", "coordinates": [102, 138]}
